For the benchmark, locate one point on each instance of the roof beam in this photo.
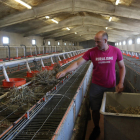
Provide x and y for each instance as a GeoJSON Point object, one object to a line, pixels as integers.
{"type": "Point", "coordinates": [55, 7]}
{"type": "Point", "coordinates": [83, 21]}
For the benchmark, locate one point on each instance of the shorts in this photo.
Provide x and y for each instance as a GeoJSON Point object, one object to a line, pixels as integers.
{"type": "Point", "coordinates": [96, 95]}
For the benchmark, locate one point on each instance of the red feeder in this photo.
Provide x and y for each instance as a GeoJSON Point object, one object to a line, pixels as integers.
{"type": "Point", "coordinates": [17, 57]}
{"type": "Point", "coordinates": [1, 60]}
{"type": "Point", "coordinates": [53, 64]}
{"type": "Point", "coordinates": [30, 56]}
{"type": "Point", "coordinates": [11, 58]}
{"type": "Point", "coordinates": [14, 82]}
{"type": "Point", "coordinates": [133, 56]}
{"type": "Point", "coordinates": [65, 61]}
{"type": "Point", "coordinates": [137, 57]}
{"type": "Point", "coordinates": [32, 73]}
{"type": "Point", "coordinates": [45, 68]}
{"type": "Point", "coordinates": [60, 63]}
{"type": "Point", "coordinates": [69, 59]}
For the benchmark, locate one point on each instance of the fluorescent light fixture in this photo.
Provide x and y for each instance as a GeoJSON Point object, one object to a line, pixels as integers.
{"type": "Point", "coordinates": [138, 40]}
{"type": "Point", "coordinates": [106, 28]}
{"type": "Point", "coordinates": [49, 43]}
{"type": "Point", "coordinates": [68, 28]}
{"type": "Point", "coordinates": [117, 44]}
{"type": "Point", "coordinates": [5, 40]}
{"type": "Point", "coordinates": [75, 33]}
{"type": "Point", "coordinates": [120, 43]}
{"type": "Point", "coordinates": [24, 4]}
{"type": "Point", "coordinates": [110, 19]}
{"type": "Point", "coordinates": [33, 42]}
{"type": "Point", "coordinates": [54, 21]}
{"type": "Point", "coordinates": [47, 17]}
{"type": "Point", "coordinates": [130, 42]}
{"type": "Point", "coordinates": [117, 2]}
{"type": "Point", "coordinates": [124, 42]}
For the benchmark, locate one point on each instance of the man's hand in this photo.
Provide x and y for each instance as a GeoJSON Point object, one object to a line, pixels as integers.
{"type": "Point", "coordinates": [60, 74]}
{"type": "Point", "coordinates": [119, 87]}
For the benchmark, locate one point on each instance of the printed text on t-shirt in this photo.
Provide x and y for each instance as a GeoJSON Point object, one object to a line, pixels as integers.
{"type": "Point", "coordinates": [104, 58]}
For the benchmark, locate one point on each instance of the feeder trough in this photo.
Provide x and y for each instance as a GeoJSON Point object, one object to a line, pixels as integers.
{"type": "Point", "coordinates": [32, 73]}
{"type": "Point", "coordinates": [14, 82]}
{"type": "Point", "coordinates": [120, 126]}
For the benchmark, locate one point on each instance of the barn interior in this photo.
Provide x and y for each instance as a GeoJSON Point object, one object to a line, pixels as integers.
{"type": "Point", "coordinates": [38, 39]}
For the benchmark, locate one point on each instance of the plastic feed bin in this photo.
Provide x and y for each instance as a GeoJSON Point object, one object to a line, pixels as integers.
{"type": "Point", "coordinates": [119, 126]}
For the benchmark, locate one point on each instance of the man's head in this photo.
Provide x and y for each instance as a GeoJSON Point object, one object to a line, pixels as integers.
{"type": "Point", "coordinates": [101, 40]}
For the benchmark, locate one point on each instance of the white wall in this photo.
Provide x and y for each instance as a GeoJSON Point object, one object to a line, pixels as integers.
{"type": "Point", "coordinates": [18, 39]}
{"type": "Point", "coordinates": [15, 41]}
{"type": "Point", "coordinates": [133, 47]}
{"type": "Point", "coordinates": [137, 46]}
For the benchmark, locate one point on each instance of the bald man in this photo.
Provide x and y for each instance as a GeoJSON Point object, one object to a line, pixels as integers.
{"type": "Point", "coordinates": [103, 57]}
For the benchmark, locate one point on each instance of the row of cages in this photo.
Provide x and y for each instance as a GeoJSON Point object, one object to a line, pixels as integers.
{"type": "Point", "coordinates": [133, 54]}
{"type": "Point", "coordinates": [132, 77]}
{"type": "Point", "coordinates": [38, 63]}
{"type": "Point", "coordinates": [18, 52]}
{"type": "Point", "coordinates": [10, 123]}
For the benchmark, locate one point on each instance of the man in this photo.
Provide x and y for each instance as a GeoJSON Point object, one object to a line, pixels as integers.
{"type": "Point", "coordinates": [103, 57]}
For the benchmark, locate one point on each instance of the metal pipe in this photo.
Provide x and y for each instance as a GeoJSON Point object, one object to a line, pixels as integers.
{"type": "Point", "coordinates": [5, 74]}
{"type": "Point", "coordinates": [39, 50]}
{"type": "Point", "coordinates": [59, 58]}
{"type": "Point", "coordinates": [52, 60]}
{"type": "Point", "coordinates": [36, 50]}
{"type": "Point", "coordinates": [17, 51]}
{"type": "Point", "coordinates": [8, 50]}
{"type": "Point", "coordinates": [25, 50]}
{"type": "Point", "coordinates": [30, 51]}
{"type": "Point", "coordinates": [28, 67]}
{"type": "Point", "coordinates": [64, 56]}
{"type": "Point", "coordinates": [42, 62]}
{"type": "Point", "coordinates": [31, 59]}
{"type": "Point", "coordinates": [43, 49]}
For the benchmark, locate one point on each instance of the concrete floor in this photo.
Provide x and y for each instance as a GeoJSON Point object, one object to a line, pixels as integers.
{"type": "Point", "coordinates": [90, 127]}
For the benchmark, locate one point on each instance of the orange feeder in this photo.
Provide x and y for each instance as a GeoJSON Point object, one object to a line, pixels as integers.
{"type": "Point", "coordinates": [32, 73]}
{"type": "Point", "coordinates": [60, 63]}
{"type": "Point", "coordinates": [17, 57]}
{"type": "Point", "coordinates": [30, 55]}
{"type": "Point", "coordinates": [45, 68]}
{"type": "Point", "coordinates": [14, 82]}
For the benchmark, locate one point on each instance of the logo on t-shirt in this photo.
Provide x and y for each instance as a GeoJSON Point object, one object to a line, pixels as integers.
{"type": "Point", "coordinates": [102, 60]}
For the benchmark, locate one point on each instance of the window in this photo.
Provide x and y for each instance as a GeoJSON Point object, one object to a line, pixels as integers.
{"type": "Point", "coordinates": [120, 43]}
{"type": "Point", "coordinates": [5, 40]}
{"type": "Point", "coordinates": [130, 42]}
{"type": "Point", "coordinates": [49, 43]}
{"type": "Point", "coordinates": [117, 44]}
{"type": "Point", "coordinates": [33, 42]}
{"type": "Point", "coordinates": [124, 42]}
{"type": "Point", "coordinates": [138, 40]}
{"type": "Point", "coordinates": [58, 43]}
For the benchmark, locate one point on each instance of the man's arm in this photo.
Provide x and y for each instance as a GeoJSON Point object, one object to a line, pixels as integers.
{"type": "Point", "coordinates": [71, 67]}
{"type": "Point", "coordinates": [121, 65]}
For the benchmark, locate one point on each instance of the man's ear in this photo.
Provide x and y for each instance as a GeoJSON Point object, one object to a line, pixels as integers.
{"type": "Point", "coordinates": [105, 40]}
